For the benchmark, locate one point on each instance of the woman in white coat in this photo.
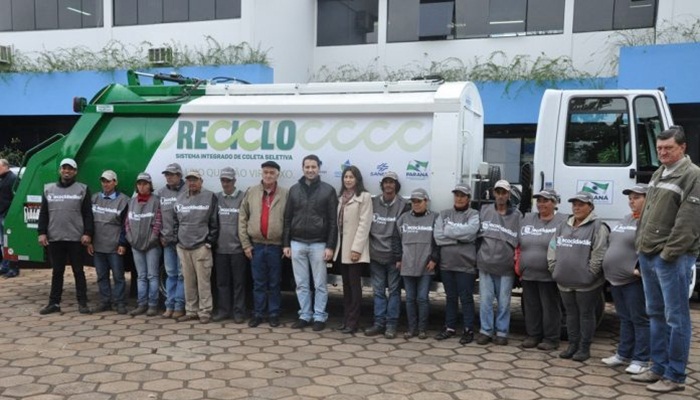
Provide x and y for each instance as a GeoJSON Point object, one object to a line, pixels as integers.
{"type": "Point", "coordinates": [354, 221]}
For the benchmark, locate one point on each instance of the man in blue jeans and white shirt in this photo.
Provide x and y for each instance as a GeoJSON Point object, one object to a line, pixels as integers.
{"type": "Point", "coordinates": [667, 242]}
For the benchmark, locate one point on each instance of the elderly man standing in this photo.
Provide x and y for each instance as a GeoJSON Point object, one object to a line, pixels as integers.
{"type": "Point", "coordinates": [260, 226]}
{"type": "Point", "coordinates": [310, 236]}
{"type": "Point", "coordinates": [667, 242]}
{"type": "Point", "coordinates": [174, 286]}
{"type": "Point", "coordinates": [197, 229]}
{"type": "Point", "coordinates": [7, 180]}
{"type": "Point", "coordinates": [109, 208]}
{"type": "Point", "coordinates": [66, 225]}
{"type": "Point", "coordinates": [500, 225]}
{"type": "Point", "coordinates": [229, 261]}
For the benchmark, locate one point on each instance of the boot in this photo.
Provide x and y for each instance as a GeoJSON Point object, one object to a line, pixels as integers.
{"type": "Point", "coordinates": [583, 353]}
{"type": "Point", "coordinates": [570, 351]}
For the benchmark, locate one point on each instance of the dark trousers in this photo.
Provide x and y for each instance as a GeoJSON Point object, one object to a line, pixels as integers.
{"type": "Point", "coordinates": [580, 315]}
{"type": "Point", "coordinates": [230, 272]}
{"type": "Point", "coordinates": [59, 254]}
{"type": "Point", "coordinates": [352, 293]}
{"type": "Point", "coordinates": [542, 310]}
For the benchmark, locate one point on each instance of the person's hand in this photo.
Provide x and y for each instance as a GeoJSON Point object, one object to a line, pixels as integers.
{"type": "Point", "coordinates": [248, 253]}
{"type": "Point", "coordinates": [163, 242]}
{"type": "Point", "coordinates": [85, 240]}
{"type": "Point", "coordinates": [287, 252]}
{"type": "Point", "coordinates": [121, 250]}
{"type": "Point", "coordinates": [328, 255]}
{"type": "Point", "coordinates": [43, 240]}
{"type": "Point", "coordinates": [431, 265]}
{"type": "Point", "coordinates": [91, 249]}
{"type": "Point", "coordinates": [355, 256]}
{"type": "Point", "coordinates": [398, 265]}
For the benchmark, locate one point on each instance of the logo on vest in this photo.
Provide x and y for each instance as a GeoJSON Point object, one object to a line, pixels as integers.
{"type": "Point", "coordinates": [139, 216]}
{"type": "Point", "coordinates": [227, 211]}
{"type": "Point", "coordinates": [405, 228]}
{"type": "Point", "coordinates": [532, 231]}
{"type": "Point", "coordinates": [57, 198]}
{"type": "Point", "coordinates": [186, 209]}
{"type": "Point", "coordinates": [490, 226]}
{"type": "Point", "coordinates": [166, 201]}
{"type": "Point", "coordinates": [570, 242]}
{"type": "Point", "coordinates": [624, 228]}
{"type": "Point", "coordinates": [380, 220]}
{"type": "Point", "coordinates": [103, 210]}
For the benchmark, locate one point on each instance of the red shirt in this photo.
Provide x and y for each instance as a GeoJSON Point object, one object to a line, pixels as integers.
{"type": "Point", "coordinates": [267, 198]}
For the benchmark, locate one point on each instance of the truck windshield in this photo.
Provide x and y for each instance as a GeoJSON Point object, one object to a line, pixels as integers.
{"type": "Point", "coordinates": [598, 132]}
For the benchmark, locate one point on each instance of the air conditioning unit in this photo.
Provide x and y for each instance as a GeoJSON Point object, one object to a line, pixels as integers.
{"type": "Point", "coordinates": [5, 54]}
{"type": "Point", "coordinates": [160, 56]}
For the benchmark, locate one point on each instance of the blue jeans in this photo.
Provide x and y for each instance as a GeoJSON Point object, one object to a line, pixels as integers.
{"type": "Point", "coordinates": [417, 291]}
{"type": "Point", "coordinates": [666, 290]}
{"type": "Point", "coordinates": [386, 311]}
{"type": "Point", "coordinates": [308, 263]}
{"type": "Point", "coordinates": [459, 286]}
{"type": "Point", "coordinates": [495, 287]}
{"type": "Point", "coordinates": [147, 264]}
{"type": "Point", "coordinates": [104, 263]}
{"type": "Point", "coordinates": [634, 323]}
{"type": "Point", "coordinates": [174, 283]}
{"type": "Point", "coordinates": [266, 268]}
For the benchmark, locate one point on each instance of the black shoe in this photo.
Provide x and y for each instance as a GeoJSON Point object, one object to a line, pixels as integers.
{"type": "Point", "coordinates": [139, 310]}
{"type": "Point", "coordinates": [319, 326]}
{"type": "Point", "coordinates": [11, 273]}
{"type": "Point", "coordinates": [531, 342]}
{"type": "Point", "coordinates": [50, 309]}
{"type": "Point", "coordinates": [300, 324]}
{"type": "Point", "coordinates": [274, 321]}
{"type": "Point", "coordinates": [121, 309]}
{"type": "Point", "coordinates": [374, 331]}
{"type": "Point", "coordinates": [348, 331]}
{"type": "Point", "coordinates": [254, 322]}
{"type": "Point", "coordinates": [84, 309]}
{"type": "Point", "coordinates": [103, 308]}
{"type": "Point", "coordinates": [238, 319]}
{"type": "Point", "coordinates": [218, 317]}
{"type": "Point", "coordinates": [445, 334]}
{"type": "Point", "coordinates": [467, 337]}
{"type": "Point", "coordinates": [340, 327]}
{"type": "Point", "coordinates": [569, 352]}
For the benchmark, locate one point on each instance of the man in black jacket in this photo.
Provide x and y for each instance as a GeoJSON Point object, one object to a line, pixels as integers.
{"type": "Point", "coordinates": [309, 239]}
{"type": "Point", "coordinates": [7, 180]}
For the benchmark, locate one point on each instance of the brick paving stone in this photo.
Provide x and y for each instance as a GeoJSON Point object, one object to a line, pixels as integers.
{"type": "Point", "coordinates": [206, 365]}
{"type": "Point", "coordinates": [411, 377]}
{"type": "Point", "coordinates": [520, 394]}
{"type": "Point", "coordinates": [521, 383]}
{"type": "Point", "coordinates": [560, 381]}
{"type": "Point", "coordinates": [359, 389]}
{"type": "Point", "coordinates": [557, 393]}
{"type": "Point", "coordinates": [335, 355]}
{"type": "Point", "coordinates": [247, 365]}
{"type": "Point", "coordinates": [87, 368]}
{"type": "Point", "coordinates": [485, 384]}
{"type": "Point", "coordinates": [100, 377]}
{"type": "Point", "coordinates": [431, 396]}
{"type": "Point", "coordinates": [321, 363]}
{"type": "Point", "coordinates": [317, 391]}
{"type": "Point", "coordinates": [371, 379]}
{"type": "Point", "coordinates": [359, 362]}
{"type": "Point", "coordinates": [455, 376]}
{"type": "Point", "coordinates": [308, 372]}
{"type": "Point", "coordinates": [186, 375]}
{"type": "Point", "coordinates": [183, 394]}
{"type": "Point", "coordinates": [41, 397]}
{"type": "Point", "coordinates": [455, 366]}
{"type": "Point", "coordinates": [597, 380]}
{"type": "Point", "coordinates": [22, 391]}
{"type": "Point", "coordinates": [225, 358]}
{"type": "Point", "coordinates": [167, 366]}
{"type": "Point", "coordinates": [118, 387]}
{"type": "Point", "coordinates": [74, 388]}
{"type": "Point", "coordinates": [442, 386]}
{"type": "Point", "coordinates": [227, 394]}
{"type": "Point", "coordinates": [143, 376]}
{"type": "Point", "coordinates": [30, 362]}
{"type": "Point", "coordinates": [387, 396]}
{"type": "Point", "coordinates": [561, 371]}
{"type": "Point", "coordinates": [227, 374]}
{"type": "Point", "coordinates": [396, 361]}
{"type": "Point", "coordinates": [270, 392]}
{"type": "Point", "coordinates": [347, 371]}
{"type": "Point", "coordinates": [206, 384]}
{"type": "Point", "coordinates": [264, 357]}
{"type": "Point", "coordinates": [55, 379]}
{"type": "Point", "coordinates": [596, 391]}
{"type": "Point", "coordinates": [163, 385]}
{"type": "Point", "coordinates": [285, 364]}
{"type": "Point", "coordinates": [90, 396]}
{"type": "Point", "coordinates": [248, 383]}
{"type": "Point", "coordinates": [266, 373]}
{"type": "Point", "coordinates": [470, 394]}
{"type": "Point", "coordinates": [291, 382]}
{"type": "Point", "coordinates": [332, 380]}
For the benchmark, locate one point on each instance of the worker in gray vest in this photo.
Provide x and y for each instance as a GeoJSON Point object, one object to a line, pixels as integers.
{"type": "Point", "coordinates": [230, 262]}
{"type": "Point", "coordinates": [65, 226]}
{"type": "Point", "coordinates": [197, 229]}
{"type": "Point", "coordinates": [174, 286]}
{"type": "Point", "coordinates": [7, 181]}
{"type": "Point", "coordinates": [109, 208]}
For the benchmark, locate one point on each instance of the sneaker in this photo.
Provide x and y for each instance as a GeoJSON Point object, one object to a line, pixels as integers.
{"type": "Point", "coordinates": [635, 369]}
{"type": "Point", "coordinates": [501, 340]}
{"type": "Point", "coordinates": [375, 330]}
{"type": "Point", "coordinates": [152, 311]}
{"type": "Point", "coordinates": [445, 334]}
{"type": "Point", "coordinates": [253, 323]}
{"type": "Point", "coordinates": [178, 313]}
{"type": "Point", "coordinates": [390, 333]}
{"type": "Point", "coordinates": [121, 309]}
{"type": "Point", "coordinates": [138, 311]}
{"type": "Point", "coordinates": [614, 361]}
{"type": "Point", "coordinates": [665, 386]}
{"type": "Point", "coordinates": [467, 337]}
{"type": "Point", "coordinates": [168, 314]}
{"type": "Point", "coordinates": [187, 318]}
{"type": "Point", "coordinates": [319, 326]}
{"type": "Point", "coordinates": [422, 335]}
{"type": "Point", "coordinates": [530, 342]}
{"type": "Point", "coordinates": [300, 324]}
{"type": "Point", "coordinates": [104, 307]}
{"type": "Point", "coordinates": [50, 309]}
{"type": "Point", "coordinates": [274, 321]}
{"type": "Point", "coordinates": [84, 309]}
{"type": "Point", "coordinates": [548, 346]}
{"type": "Point", "coordinates": [483, 339]}
{"type": "Point", "coordinates": [647, 377]}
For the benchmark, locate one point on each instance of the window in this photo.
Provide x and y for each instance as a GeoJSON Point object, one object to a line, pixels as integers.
{"type": "Point", "coordinates": [605, 15]}
{"type": "Point", "coordinates": [29, 15]}
{"type": "Point", "coordinates": [146, 12]}
{"type": "Point", "coordinates": [413, 20]}
{"type": "Point", "coordinates": [344, 22]}
{"type": "Point", "coordinates": [648, 124]}
{"type": "Point", "coordinates": [598, 132]}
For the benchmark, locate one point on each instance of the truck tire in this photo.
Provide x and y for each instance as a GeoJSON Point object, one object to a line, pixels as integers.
{"type": "Point", "coordinates": [484, 187]}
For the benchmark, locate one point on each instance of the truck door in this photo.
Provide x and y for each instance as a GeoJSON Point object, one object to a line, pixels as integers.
{"type": "Point", "coordinates": [597, 153]}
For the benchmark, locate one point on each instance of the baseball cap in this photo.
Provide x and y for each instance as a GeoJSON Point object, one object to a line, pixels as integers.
{"type": "Point", "coordinates": [227, 173]}
{"type": "Point", "coordinates": [173, 168]}
{"type": "Point", "coordinates": [583, 197]}
{"type": "Point", "coordinates": [69, 161]}
{"type": "Point", "coordinates": [144, 176]}
{"type": "Point", "coordinates": [641, 188]}
{"type": "Point", "coordinates": [270, 164]}
{"type": "Point", "coordinates": [420, 194]}
{"type": "Point", "coordinates": [549, 194]}
{"type": "Point", "coordinates": [109, 175]}
{"type": "Point", "coordinates": [193, 173]}
{"type": "Point", "coordinates": [463, 188]}
{"type": "Point", "coordinates": [503, 184]}
{"type": "Point", "coordinates": [390, 175]}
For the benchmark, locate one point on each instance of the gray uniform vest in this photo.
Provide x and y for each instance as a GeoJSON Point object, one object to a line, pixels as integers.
{"type": "Point", "coordinates": [228, 207]}
{"type": "Point", "coordinates": [141, 218]}
{"type": "Point", "coordinates": [65, 217]}
{"type": "Point", "coordinates": [168, 197]}
{"type": "Point", "coordinates": [416, 234]}
{"type": "Point", "coordinates": [108, 221]}
{"type": "Point", "coordinates": [498, 240]}
{"type": "Point", "coordinates": [382, 229]}
{"type": "Point", "coordinates": [535, 236]}
{"type": "Point", "coordinates": [574, 254]}
{"type": "Point", "coordinates": [457, 255]}
{"type": "Point", "coordinates": [193, 214]}
{"type": "Point", "coordinates": [621, 257]}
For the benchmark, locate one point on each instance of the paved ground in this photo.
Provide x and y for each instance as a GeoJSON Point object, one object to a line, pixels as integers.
{"type": "Point", "coordinates": [110, 356]}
